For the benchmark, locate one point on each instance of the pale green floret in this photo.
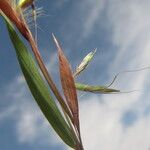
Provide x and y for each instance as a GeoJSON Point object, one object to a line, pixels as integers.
{"type": "Point", "coordinates": [95, 89]}
{"type": "Point", "coordinates": [89, 56]}
{"type": "Point", "coordinates": [85, 62]}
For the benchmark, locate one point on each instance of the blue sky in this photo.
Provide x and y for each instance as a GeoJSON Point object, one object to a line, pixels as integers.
{"type": "Point", "coordinates": [120, 32]}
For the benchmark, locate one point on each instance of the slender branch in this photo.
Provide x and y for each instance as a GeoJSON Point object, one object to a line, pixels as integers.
{"type": "Point", "coordinates": [47, 76]}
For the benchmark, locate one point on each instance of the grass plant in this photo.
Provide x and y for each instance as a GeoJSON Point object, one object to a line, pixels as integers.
{"type": "Point", "coordinates": [64, 119]}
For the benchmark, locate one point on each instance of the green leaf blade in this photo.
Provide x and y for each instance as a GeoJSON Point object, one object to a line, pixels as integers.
{"type": "Point", "coordinates": [39, 89]}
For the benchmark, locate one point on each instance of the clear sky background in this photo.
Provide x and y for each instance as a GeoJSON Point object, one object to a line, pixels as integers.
{"type": "Point", "coordinates": [120, 30]}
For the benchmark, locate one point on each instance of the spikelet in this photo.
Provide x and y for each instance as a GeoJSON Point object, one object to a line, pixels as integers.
{"type": "Point", "coordinates": [85, 62]}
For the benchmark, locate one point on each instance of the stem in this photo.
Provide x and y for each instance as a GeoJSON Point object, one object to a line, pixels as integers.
{"type": "Point", "coordinates": [80, 146]}
{"type": "Point", "coordinates": [47, 76]}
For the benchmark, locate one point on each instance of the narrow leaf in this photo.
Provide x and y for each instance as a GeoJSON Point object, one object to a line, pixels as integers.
{"type": "Point", "coordinates": [39, 89]}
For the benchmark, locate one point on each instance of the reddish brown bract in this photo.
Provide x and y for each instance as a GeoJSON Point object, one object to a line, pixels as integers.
{"type": "Point", "coordinates": [68, 84]}
{"type": "Point", "coordinates": [14, 16]}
